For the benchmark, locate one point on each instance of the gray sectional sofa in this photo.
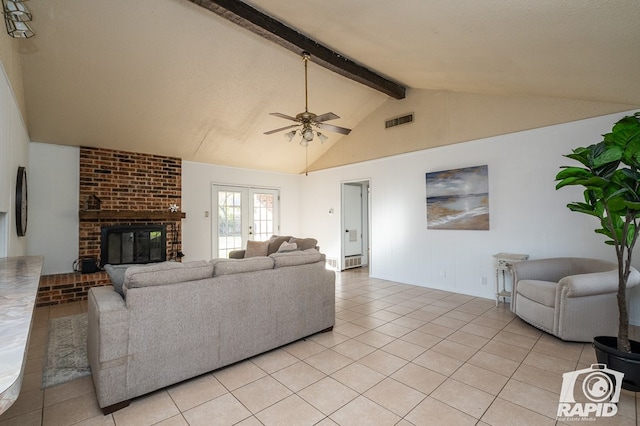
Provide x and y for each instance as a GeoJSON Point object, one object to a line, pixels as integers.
{"type": "Point", "coordinates": [174, 321]}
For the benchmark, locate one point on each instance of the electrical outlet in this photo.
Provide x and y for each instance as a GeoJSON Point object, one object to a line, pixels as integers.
{"type": "Point", "coordinates": [484, 280]}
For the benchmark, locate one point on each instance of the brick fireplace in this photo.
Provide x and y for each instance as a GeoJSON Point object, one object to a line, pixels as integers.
{"type": "Point", "coordinates": [118, 188]}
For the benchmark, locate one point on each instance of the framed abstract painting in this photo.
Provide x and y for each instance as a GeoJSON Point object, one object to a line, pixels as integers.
{"type": "Point", "coordinates": [458, 199]}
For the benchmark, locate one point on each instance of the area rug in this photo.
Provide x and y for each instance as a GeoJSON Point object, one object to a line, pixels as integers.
{"type": "Point", "coordinates": [66, 355]}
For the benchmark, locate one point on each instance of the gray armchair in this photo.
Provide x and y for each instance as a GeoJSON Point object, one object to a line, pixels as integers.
{"type": "Point", "coordinates": [571, 298]}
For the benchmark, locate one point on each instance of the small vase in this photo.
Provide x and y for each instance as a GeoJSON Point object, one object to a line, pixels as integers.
{"type": "Point", "coordinates": [607, 352]}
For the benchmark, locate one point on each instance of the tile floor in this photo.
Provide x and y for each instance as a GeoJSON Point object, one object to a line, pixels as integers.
{"type": "Point", "coordinates": [398, 355]}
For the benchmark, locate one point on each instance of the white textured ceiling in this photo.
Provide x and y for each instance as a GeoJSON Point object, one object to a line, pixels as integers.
{"type": "Point", "coordinates": [169, 77]}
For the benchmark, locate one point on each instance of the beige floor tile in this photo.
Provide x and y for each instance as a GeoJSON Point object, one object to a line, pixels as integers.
{"type": "Point", "coordinates": [328, 361]}
{"type": "Point", "coordinates": [514, 353]}
{"type": "Point", "coordinates": [480, 378]}
{"type": "Point", "coordinates": [468, 339]}
{"type": "Point", "coordinates": [178, 420]}
{"type": "Point", "coordinates": [515, 339]}
{"type": "Point", "coordinates": [107, 420]}
{"type": "Point", "coordinates": [419, 378]}
{"type": "Point", "coordinates": [298, 376]}
{"type": "Point", "coordinates": [494, 363]}
{"type": "Point", "coordinates": [423, 315]}
{"type": "Point", "coordinates": [262, 393]}
{"type": "Point", "coordinates": [72, 389]}
{"type": "Point", "coordinates": [304, 348]}
{"type": "Point", "coordinates": [393, 330]}
{"type": "Point", "coordinates": [395, 396]}
{"type": "Point", "coordinates": [353, 349]}
{"type": "Point", "coordinates": [404, 349]}
{"type": "Point", "coordinates": [238, 375]}
{"type": "Point", "coordinates": [517, 326]}
{"type": "Point", "coordinates": [369, 322]}
{"type": "Point", "coordinates": [433, 412]}
{"type": "Point", "coordinates": [435, 309]}
{"type": "Point", "coordinates": [465, 398]}
{"type": "Point", "coordinates": [497, 324]}
{"type": "Point", "coordinates": [226, 410]}
{"type": "Point", "coordinates": [541, 378]}
{"type": "Point", "coordinates": [274, 360]}
{"type": "Point", "coordinates": [454, 350]}
{"type": "Point", "coordinates": [74, 410]}
{"type": "Point", "coordinates": [549, 363]}
{"type": "Point", "coordinates": [383, 362]}
{"type": "Point", "coordinates": [348, 315]}
{"type": "Point", "coordinates": [328, 395]}
{"type": "Point", "coordinates": [427, 341]}
{"type": "Point", "coordinates": [364, 412]}
{"type": "Point", "coordinates": [438, 362]}
{"type": "Point", "coordinates": [386, 315]}
{"type": "Point", "coordinates": [436, 330]}
{"type": "Point", "coordinates": [290, 411]}
{"type": "Point", "coordinates": [358, 377]}
{"type": "Point", "coordinates": [505, 413]}
{"type": "Point", "coordinates": [459, 315]}
{"type": "Point", "coordinates": [31, 418]}
{"type": "Point", "coordinates": [559, 349]}
{"type": "Point", "coordinates": [250, 421]}
{"type": "Point", "coordinates": [27, 401]}
{"type": "Point", "coordinates": [350, 329]}
{"type": "Point", "coordinates": [191, 393]}
{"type": "Point", "coordinates": [409, 322]}
{"type": "Point", "coordinates": [375, 338]}
{"type": "Point", "coordinates": [402, 310]}
{"type": "Point", "coordinates": [534, 398]}
{"type": "Point", "coordinates": [329, 339]}
{"type": "Point", "coordinates": [480, 330]}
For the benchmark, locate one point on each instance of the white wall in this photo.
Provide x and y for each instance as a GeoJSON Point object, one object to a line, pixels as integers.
{"type": "Point", "coordinates": [197, 181]}
{"type": "Point", "coordinates": [54, 182]}
{"type": "Point", "coordinates": [527, 214]}
{"type": "Point", "coordinates": [14, 142]}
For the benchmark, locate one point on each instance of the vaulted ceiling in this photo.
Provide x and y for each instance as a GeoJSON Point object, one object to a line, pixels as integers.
{"type": "Point", "coordinates": [173, 78]}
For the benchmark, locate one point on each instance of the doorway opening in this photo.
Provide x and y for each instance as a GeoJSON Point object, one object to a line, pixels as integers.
{"type": "Point", "coordinates": [356, 231]}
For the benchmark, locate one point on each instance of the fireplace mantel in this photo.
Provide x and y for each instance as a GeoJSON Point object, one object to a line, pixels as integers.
{"type": "Point", "coordinates": [131, 214]}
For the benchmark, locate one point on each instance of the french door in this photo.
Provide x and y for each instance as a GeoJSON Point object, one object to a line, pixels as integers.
{"type": "Point", "coordinates": [242, 214]}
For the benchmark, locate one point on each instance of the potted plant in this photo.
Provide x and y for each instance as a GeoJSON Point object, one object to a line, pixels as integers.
{"type": "Point", "coordinates": [611, 178]}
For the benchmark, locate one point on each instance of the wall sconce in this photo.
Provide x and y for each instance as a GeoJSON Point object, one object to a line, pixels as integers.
{"type": "Point", "coordinates": [16, 15]}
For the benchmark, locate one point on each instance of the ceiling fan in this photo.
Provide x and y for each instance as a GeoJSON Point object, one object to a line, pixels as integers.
{"type": "Point", "coordinates": [307, 119]}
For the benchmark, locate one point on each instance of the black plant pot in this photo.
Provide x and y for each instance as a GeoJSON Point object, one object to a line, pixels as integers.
{"type": "Point", "coordinates": [628, 363]}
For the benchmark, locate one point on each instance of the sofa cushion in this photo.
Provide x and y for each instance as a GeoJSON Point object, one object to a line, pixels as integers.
{"type": "Point", "coordinates": [237, 266]}
{"type": "Point", "coordinates": [543, 292]}
{"type": "Point", "coordinates": [116, 274]}
{"type": "Point", "coordinates": [294, 258]}
{"type": "Point", "coordinates": [285, 247]}
{"type": "Point", "coordinates": [166, 273]}
{"type": "Point", "coordinates": [275, 241]}
{"type": "Point", "coordinates": [304, 243]}
{"type": "Point", "coordinates": [256, 248]}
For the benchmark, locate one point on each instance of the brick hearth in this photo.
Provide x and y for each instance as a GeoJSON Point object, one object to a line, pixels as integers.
{"type": "Point", "coordinates": [123, 181]}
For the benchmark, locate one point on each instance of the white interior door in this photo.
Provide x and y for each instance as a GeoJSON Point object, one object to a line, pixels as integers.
{"type": "Point", "coordinates": [352, 219]}
{"type": "Point", "coordinates": [242, 214]}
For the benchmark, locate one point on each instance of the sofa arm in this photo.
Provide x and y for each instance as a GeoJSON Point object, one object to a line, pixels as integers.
{"type": "Point", "coordinates": [236, 254]}
{"type": "Point", "coordinates": [595, 283]}
{"type": "Point", "coordinates": [108, 344]}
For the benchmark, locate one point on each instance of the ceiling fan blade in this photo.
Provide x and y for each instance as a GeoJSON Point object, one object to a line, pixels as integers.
{"type": "Point", "coordinates": [285, 116]}
{"type": "Point", "coordinates": [270, 132]}
{"type": "Point", "coordinates": [333, 128]}
{"type": "Point", "coordinates": [325, 117]}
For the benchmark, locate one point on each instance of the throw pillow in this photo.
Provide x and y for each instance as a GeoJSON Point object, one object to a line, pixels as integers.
{"type": "Point", "coordinates": [256, 248]}
{"type": "Point", "coordinates": [116, 274]}
{"type": "Point", "coordinates": [305, 243]}
{"type": "Point", "coordinates": [287, 247]}
{"type": "Point", "coordinates": [275, 241]}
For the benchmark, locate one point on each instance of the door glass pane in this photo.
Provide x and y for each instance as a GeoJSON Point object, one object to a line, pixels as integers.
{"type": "Point", "coordinates": [263, 215]}
{"type": "Point", "coordinates": [229, 222]}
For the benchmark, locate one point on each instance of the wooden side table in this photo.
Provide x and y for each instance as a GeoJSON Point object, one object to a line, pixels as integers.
{"type": "Point", "coordinates": [503, 262]}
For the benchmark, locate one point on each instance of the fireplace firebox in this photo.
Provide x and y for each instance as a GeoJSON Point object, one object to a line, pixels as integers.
{"type": "Point", "coordinates": [133, 244]}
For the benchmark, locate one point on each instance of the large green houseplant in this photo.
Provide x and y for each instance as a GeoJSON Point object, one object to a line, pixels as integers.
{"type": "Point", "coordinates": [611, 178]}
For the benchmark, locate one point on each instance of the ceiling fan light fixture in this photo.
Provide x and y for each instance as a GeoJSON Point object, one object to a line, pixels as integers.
{"type": "Point", "coordinates": [16, 11]}
{"type": "Point", "coordinates": [289, 136]}
{"type": "Point", "coordinates": [322, 137]}
{"type": "Point", "coordinates": [17, 29]}
{"type": "Point", "coordinates": [307, 134]}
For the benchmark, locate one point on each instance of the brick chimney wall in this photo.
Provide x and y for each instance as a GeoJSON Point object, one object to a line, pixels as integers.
{"type": "Point", "coordinates": [122, 181]}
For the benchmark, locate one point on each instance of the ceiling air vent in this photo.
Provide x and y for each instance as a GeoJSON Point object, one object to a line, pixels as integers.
{"type": "Point", "coordinates": [392, 122]}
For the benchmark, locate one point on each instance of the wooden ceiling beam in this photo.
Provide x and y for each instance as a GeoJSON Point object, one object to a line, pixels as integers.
{"type": "Point", "coordinates": [257, 22]}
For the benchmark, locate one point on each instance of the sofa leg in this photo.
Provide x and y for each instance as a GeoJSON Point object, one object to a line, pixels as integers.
{"type": "Point", "coordinates": [115, 407]}
{"type": "Point", "coordinates": [326, 330]}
